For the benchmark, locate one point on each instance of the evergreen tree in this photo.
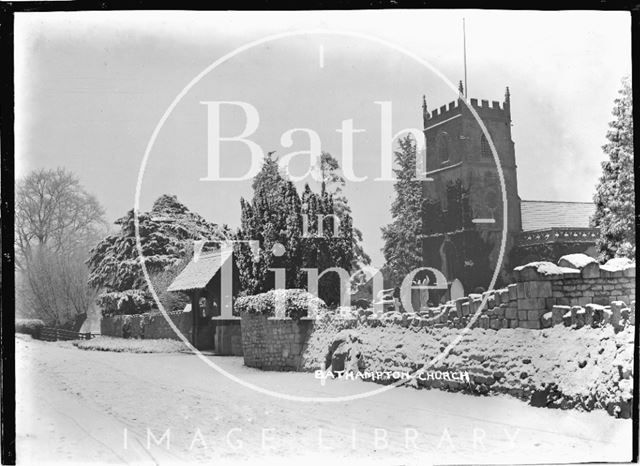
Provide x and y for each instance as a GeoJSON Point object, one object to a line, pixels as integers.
{"type": "Point", "coordinates": [615, 197]}
{"type": "Point", "coordinates": [334, 182]}
{"type": "Point", "coordinates": [167, 233]}
{"type": "Point", "coordinates": [331, 250]}
{"type": "Point", "coordinates": [402, 249]}
{"type": "Point", "coordinates": [274, 216]}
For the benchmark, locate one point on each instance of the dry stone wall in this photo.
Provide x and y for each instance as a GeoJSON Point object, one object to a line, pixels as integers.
{"type": "Point", "coordinates": [578, 368]}
{"type": "Point", "coordinates": [533, 357]}
{"type": "Point", "coordinates": [541, 297]}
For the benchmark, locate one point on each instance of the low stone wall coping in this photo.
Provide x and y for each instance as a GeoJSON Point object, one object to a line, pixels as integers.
{"type": "Point", "coordinates": [283, 319]}
{"type": "Point", "coordinates": [226, 319]}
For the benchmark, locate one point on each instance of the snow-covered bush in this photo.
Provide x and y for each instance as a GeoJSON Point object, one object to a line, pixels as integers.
{"type": "Point", "coordinates": [123, 302]}
{"type": "Point", "coordinates": [122, 345]}
{"type": "Point", "coordinates": [296, 304]}
{"type": "Point", "coordinates": [29, 326]}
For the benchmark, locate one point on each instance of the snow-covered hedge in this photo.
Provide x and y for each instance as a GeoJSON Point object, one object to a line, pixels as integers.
{"type": "Point", "coordinates": [296, 304]}
{"type": "Point", "coordinates": [29, 326]}
{"type": "Point", "coordinates": [123, 302]}
{"type": "Point", "coordinates": [130, 345]}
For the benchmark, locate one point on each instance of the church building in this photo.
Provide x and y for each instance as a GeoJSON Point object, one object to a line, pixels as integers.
{"type": "Point", "coordinates": [462, 211]}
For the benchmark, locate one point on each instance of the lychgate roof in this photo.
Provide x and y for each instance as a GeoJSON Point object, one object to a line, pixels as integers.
{"type": "Point", "coordinates": [199, 272]}
{"type": "Point", "coordinates": [540, 215]}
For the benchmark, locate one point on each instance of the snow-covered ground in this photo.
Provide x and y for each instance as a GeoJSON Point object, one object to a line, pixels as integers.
{"type": "Point", "coordinates": [92, 406]}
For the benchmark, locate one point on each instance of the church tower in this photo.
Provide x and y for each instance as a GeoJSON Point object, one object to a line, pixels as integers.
{"type": "Point", "coordinates": [462, 211]}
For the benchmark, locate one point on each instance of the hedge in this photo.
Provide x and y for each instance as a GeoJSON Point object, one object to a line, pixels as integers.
{"type": "Point", "coordinates": [31, 327]}
{"type": "Point", "coordinates": [297, 304]}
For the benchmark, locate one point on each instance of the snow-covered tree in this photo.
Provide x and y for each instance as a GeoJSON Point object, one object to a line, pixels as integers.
{"type": "Point", "coordinates": [327, 250]}
{"type": "Point", "coordinates": [56, 222]}
{"type": "Point", "coordinates": [274, 216]}
{"type": "Point", "coordinates": [615, 196]}
{"type": "Point", "coordinates": [402, 250]}
{"type": "Point", "coordinates": [53, 210]}
{"type": "Point", "coordinates": [334, 183]}
{"type": "Point", "coordinates": [167, 234]}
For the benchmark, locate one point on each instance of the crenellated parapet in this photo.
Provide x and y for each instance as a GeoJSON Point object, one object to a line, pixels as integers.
{"type": "Point", "coordinates": [558, 235]}
{"type": "Point", "coordinates": [484, 108]}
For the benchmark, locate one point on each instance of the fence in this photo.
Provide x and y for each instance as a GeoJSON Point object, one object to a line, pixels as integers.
{"type": "Point", "coordinates": [59, 334]}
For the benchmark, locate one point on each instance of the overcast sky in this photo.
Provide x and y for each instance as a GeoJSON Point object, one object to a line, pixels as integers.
{"type": "Point", "coordinates": [91, 88]}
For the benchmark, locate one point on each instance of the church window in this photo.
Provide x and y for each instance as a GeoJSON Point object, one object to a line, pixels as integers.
{"type": "Point", "coordinates": [442, 146]}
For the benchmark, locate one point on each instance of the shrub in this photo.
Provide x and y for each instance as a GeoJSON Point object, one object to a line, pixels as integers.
{"type": "Point", "coordinates": [29, 326]}
{"type": "Point", "coordinates": [297, 304]}
{"type": "Point", "coordinates": [125, 302]}
{"type": "Point", "coordinates": [121, 345]}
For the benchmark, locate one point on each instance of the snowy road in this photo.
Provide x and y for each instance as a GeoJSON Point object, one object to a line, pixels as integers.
{"type": "Point", "coordinates": [84, 406]}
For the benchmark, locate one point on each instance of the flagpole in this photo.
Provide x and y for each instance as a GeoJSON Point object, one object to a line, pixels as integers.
{"type": "Point", "coordinates": [464, 51]}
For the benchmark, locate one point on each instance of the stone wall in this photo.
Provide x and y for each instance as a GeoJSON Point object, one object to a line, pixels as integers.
{"type": "Point", "coordinates": [545, 294]}
{"type": "Point", "coordinates": [221, 335]}
{"type": "Point", "coordinates": [150, 325]}
{"type": "Point", "coordinates": [566, 368]}
{"type": "Point", "coordinates": [153, 325]}
{"type": "Point", "coordinates": [273, 343]}
{"type": "Point", "coordinates": [577, 283]}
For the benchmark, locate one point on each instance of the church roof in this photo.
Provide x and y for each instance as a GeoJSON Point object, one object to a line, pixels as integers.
{"type": "Point", "coordinates": [540, 215]}
{"type": "Point", "coordinates": [199, 272]}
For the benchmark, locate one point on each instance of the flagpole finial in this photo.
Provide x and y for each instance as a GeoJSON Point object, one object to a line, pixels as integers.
{"type": "Point", "coordinates": [507, 101]}
{"type": "Point", "coordinates": [425, 112]}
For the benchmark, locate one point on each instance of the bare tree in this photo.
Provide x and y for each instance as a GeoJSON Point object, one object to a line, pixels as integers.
{"type": "Point", "coordinates": [54, 288]}
{"type": "Point", "coordinates": [57, 222]}
{"type": "Point", "coordinates": [54, 210]}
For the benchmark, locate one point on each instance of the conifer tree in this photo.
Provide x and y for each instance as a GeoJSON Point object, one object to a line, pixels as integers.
{"type": "Point", "coordinates": [332, 248]}
{"type": "Point", "coordinates": [615, 197]}
{"type": "Point", "coordinates": [167, 234]}
{"type": "Point", "coordinates": [402, 249]}
{"type": "Point", "coordinates": [274, 216]}
{"type": "Point", "coordinates": [334, 183]}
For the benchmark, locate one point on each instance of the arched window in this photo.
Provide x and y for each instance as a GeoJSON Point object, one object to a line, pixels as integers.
{"type": "Point", "coordinates": [485, 149]}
